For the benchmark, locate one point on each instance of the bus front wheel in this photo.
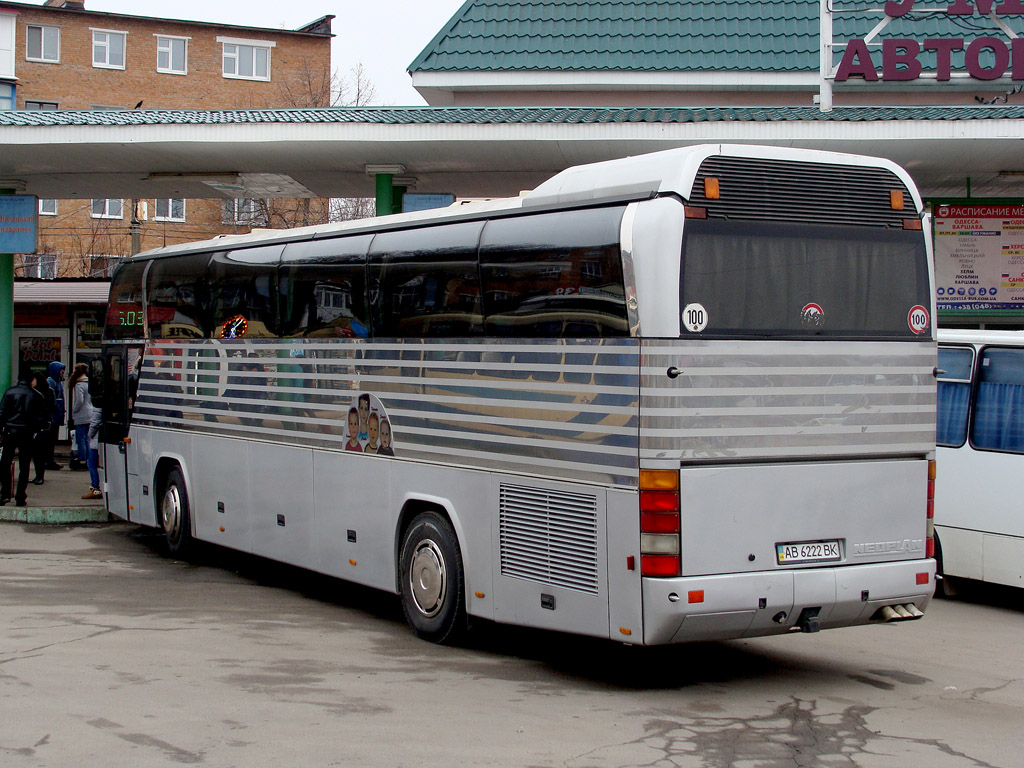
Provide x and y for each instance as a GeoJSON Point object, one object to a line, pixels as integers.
{"type": "Point", "coordinates": [175, 517]}
{"type": "Point", "coordinates": [432, 579]}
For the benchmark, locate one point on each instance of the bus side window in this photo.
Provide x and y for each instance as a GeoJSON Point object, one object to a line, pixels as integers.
{"type": "Point", "coordinates": [177, 297]}
{"type": "Point", "coordinates": [243, 292]}
{"type": "Point", "coordinates": [554, 275]}
{"type": "Point", "coordinates": [124, 312]}
{"type": "Point", "coordinates": [998, 423]}
{"type": "Point", "coordinates": [323, 288]}
{"type": "Point", "coordinates": [954, 395]}
{"type": "Point", "coordinates": [425, 283]}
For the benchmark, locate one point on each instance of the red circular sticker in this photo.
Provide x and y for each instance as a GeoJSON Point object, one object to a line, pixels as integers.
{"type": "Point", "coordinates": [918, 319]}
{"type": "Point", "coordinates": [812, 316]}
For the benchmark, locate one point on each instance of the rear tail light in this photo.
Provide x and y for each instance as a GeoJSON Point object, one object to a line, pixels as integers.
{"type": "Point", "coordinates": [929, 542]}
{"type": "Point", "coordinates": [659, 523]}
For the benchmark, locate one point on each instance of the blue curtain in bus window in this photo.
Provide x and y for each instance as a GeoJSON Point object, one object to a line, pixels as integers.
{"type": "Point", "coordinates": [999, 407]}
{"type": "Point", "coordinates": [954, 395]}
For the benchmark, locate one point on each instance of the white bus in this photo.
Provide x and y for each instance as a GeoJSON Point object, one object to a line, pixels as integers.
{"type": "Point", "coordinates": [683, 396]}
{"type": "Point", "coordinates": [979, 517]}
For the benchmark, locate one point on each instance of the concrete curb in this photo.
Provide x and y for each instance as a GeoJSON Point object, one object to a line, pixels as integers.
{"type": "Point", "coordinates": [52, 515]}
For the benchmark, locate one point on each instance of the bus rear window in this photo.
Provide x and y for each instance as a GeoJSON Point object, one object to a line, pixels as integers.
{"type": "Point", "coordinates": [766, 279]}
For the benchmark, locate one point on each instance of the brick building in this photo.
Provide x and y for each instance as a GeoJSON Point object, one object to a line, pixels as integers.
{"type": "Point", "coordinates": [61, 56]}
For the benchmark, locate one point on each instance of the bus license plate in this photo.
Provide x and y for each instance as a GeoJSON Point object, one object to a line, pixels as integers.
{"type": "Point", "coordinates": [808, 552]}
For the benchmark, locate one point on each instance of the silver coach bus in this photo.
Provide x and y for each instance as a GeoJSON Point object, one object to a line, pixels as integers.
{"type": "Point", "coordinates": [682, 396]}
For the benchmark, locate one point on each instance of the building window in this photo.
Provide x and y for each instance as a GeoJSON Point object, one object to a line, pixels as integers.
{"type": "Point", "coordinates": [108, 48]}
{"type": "Point", "coordinates": [47, 207]}
{"type": "Point", "coordinates": [6, 96]}
{"type": "Point", "coordinates": [102, 266]}
{"type": "Point", "coordinates": [7, 35]}
{"type": "Point", "coordinates": [41, 106]}
{"type": "Point", "coordinates": [42, 43]}
{"type": "Point", "coordinates": [170, 209]}
{"type": "Point", "coordinates": [107, 209]}
{"type": "Point", "coordinates": [42, 266]}
{"type": "Point", "coordinates": [244, 211]}
{"type": "Point", "coordinates": [246, 59]}
{"type": "Point", "coordinates": [172, 55]}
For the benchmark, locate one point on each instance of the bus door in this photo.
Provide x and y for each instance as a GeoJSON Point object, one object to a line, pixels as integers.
{"type": "Point", "coordinates": [120, 378]}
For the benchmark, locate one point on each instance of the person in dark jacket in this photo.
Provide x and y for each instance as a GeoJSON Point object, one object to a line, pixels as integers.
{"type": "Point", "coordinates": [55, 380]}
{"type": "Point", "coordinates": [41, 446]}
{"type": "Point", "coordinates": [22, 412]}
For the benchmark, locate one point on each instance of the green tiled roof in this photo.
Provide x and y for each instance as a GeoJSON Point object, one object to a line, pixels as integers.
{"type": "Point", "coordinates": [661, 35]}
{"type": "Point", "coordinates": [503, 115]}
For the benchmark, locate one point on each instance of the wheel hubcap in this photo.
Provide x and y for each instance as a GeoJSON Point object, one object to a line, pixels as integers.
{"type": "Point", "coordinates": [170, 512]}
{"type": "Point", "coordinates": [428, 578]}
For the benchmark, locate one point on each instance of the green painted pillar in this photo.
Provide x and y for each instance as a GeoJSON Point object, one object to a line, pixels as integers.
{"type": "Point", "coordinates": [6, 312]}
{"type": "Point", "coordinates": [385, 194]}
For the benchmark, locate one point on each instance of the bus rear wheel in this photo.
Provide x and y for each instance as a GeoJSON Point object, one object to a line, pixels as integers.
{"type": "Point", "coordinates": [175, 517]}
{"type": "Point", "coordinates": [432, 580]}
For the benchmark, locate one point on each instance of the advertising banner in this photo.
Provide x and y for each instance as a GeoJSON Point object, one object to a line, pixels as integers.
{"type": "Point", "coordinates": [979, 257]}
{"type": "Point", "coordinates": [18, 223]}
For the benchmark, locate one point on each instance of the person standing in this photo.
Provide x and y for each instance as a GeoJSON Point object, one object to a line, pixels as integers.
{"type": "Point", "coordinates": [22, 411]}
{"type": "Point", "coordinates": [93, 436]}
{"type": "Point", "coordinates": [81, 413]}
{"type": "Point", "coordinates": [42, 434]}
{"type": "Point", "coordinates": [55, 380]}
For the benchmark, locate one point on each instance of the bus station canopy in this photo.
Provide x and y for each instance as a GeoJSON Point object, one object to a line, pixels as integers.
{"type": "Point", "coordinates": [469, 152]}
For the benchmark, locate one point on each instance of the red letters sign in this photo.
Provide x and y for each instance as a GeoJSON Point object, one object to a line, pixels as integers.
{"type": "Point", "coordinates": [900, 55]}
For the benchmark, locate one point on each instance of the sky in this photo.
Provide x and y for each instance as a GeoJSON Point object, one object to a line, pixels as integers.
{"type": "Point", "coordinates": [384, 35]}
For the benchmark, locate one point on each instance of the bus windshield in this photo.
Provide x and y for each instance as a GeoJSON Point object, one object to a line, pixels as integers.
{"type": "Point", "coordinates": [768, 279]}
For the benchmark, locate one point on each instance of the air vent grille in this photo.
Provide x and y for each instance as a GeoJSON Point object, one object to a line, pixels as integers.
{"type": "Point", "coordinates": [815, 193]}
{"type": "Point", "coordinates": [549, 537]}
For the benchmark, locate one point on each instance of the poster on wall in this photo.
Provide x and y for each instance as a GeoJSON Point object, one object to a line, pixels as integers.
{"type": "Point", "coordinates": [979, 257]}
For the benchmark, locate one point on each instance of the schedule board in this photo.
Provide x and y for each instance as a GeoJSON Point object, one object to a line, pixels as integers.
{"type": "Point", "coordinates": [979, 257]}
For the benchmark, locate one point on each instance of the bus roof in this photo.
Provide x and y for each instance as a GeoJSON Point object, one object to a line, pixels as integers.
{"type": "Point", "coordinates": [636, 177]}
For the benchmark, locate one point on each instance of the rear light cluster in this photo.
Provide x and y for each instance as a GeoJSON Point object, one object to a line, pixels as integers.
{"type": "Point", "coordinates": [929, 542]}
{"type": "Point", "coordinates": [659, 522]}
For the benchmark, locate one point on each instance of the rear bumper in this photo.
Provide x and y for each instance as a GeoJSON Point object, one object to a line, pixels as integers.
{"type": "Point", "coordinates": [771, 602]}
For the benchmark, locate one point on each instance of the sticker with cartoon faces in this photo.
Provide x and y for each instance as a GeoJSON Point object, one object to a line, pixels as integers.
{"type": "Point", "coordinates": [368, 428]}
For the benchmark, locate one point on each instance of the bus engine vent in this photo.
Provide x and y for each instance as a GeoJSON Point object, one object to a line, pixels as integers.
{"type": "Point", "coordinates": [782, 190]}
{"type": "Point", "coordinates": [549, 537]}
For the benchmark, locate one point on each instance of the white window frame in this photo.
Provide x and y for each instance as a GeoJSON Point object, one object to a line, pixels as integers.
{"type": "Point", "coordinates": [169, 69]}
{"type": "Point", "coordinates": [32, 266]}
{"type": "Point", "coordinates": [235, 55]}
{"type": "Point", "coordinates": [47, 206]}
{"type": "Point", "coordinates": [106, 45]}
{"type": "Point", "coordinates": [170, 209]}
{"type": "Point", "coordinates": [43, 58]}
{"type": "Point", "coordinates": [106, 209]}
{"type": "Point", "coordinates": [8, 42]}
